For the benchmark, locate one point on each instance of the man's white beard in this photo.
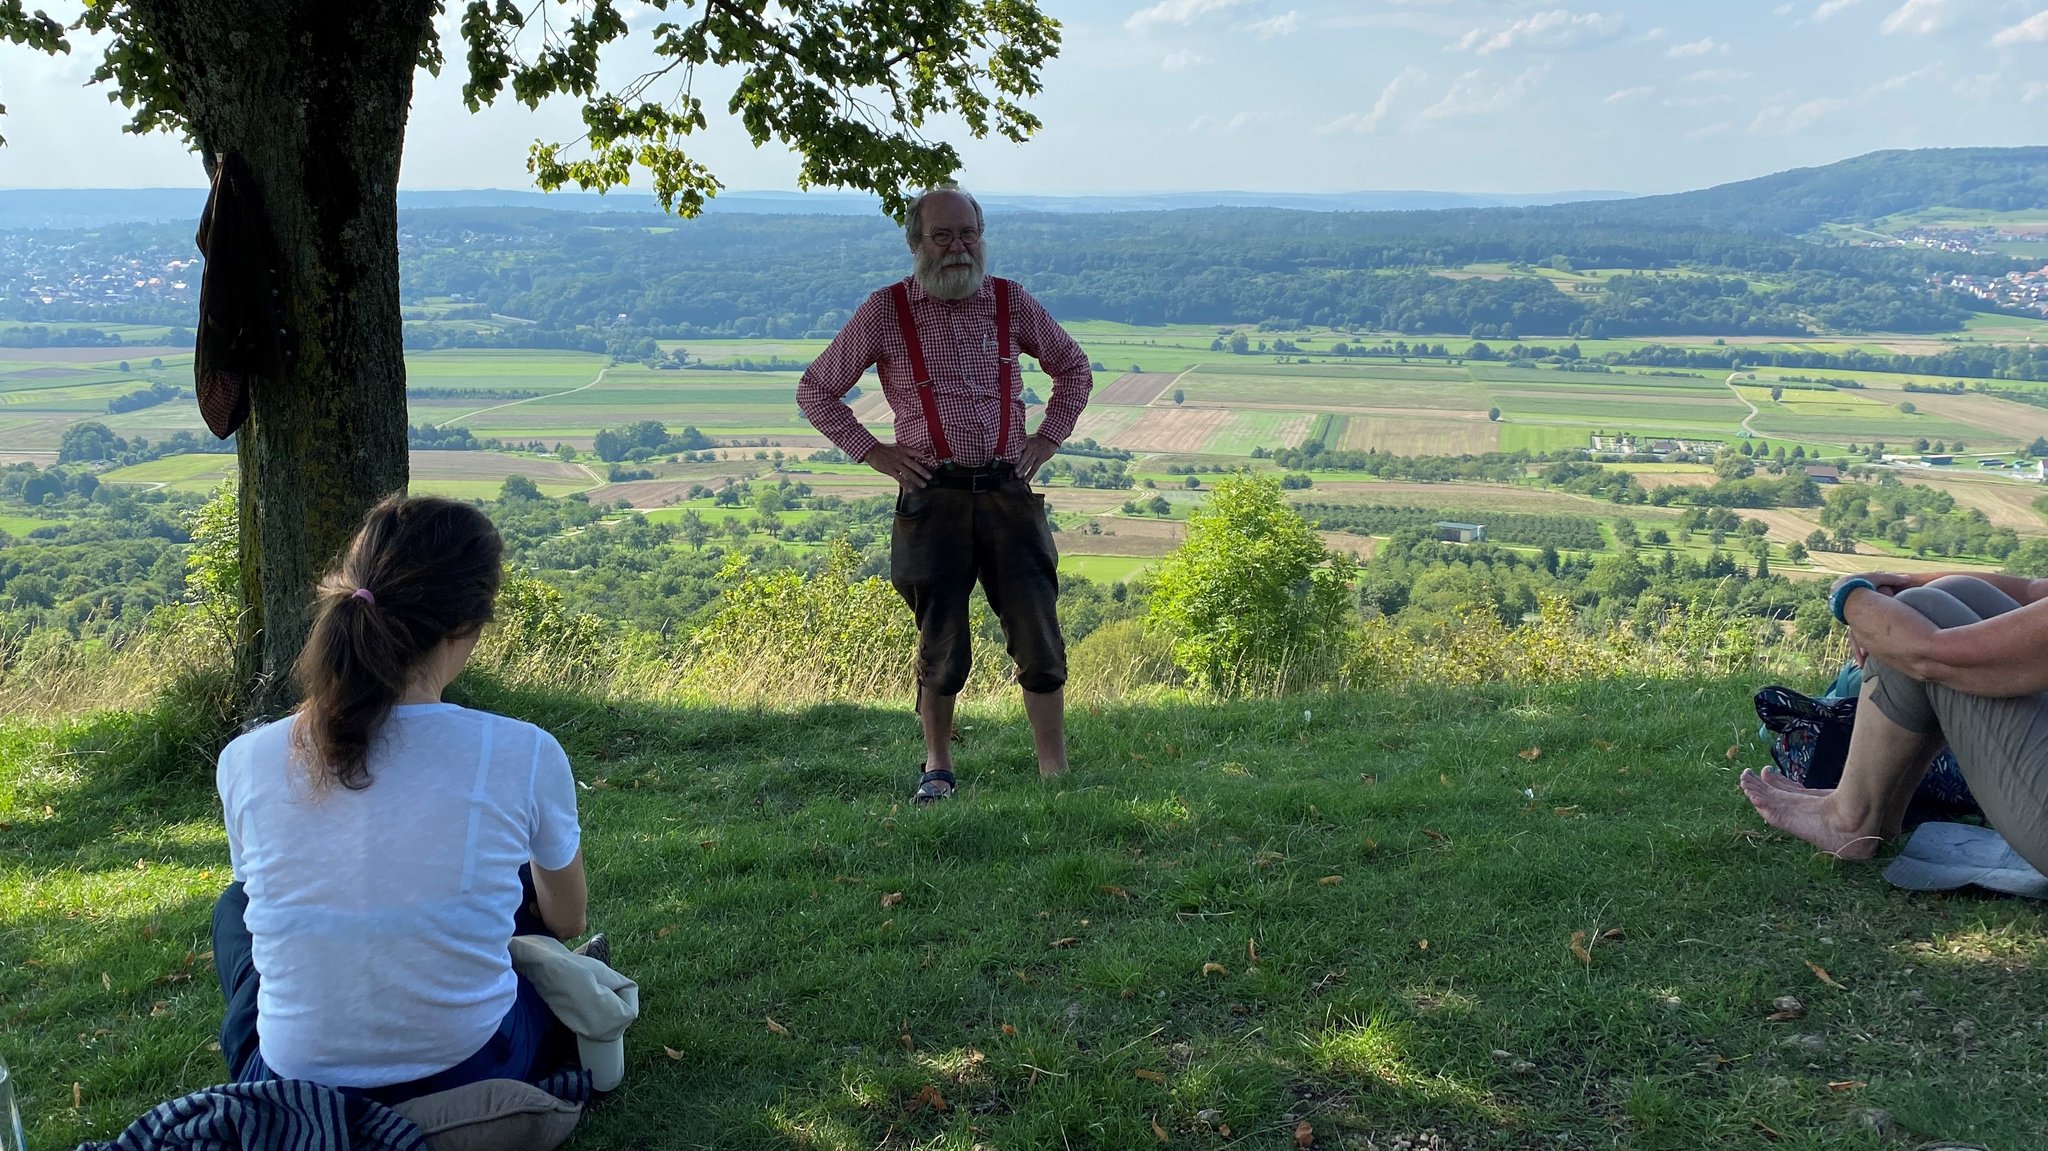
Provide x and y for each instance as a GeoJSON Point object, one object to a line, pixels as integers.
{"type": "Point", "coordinates": [952, 275]}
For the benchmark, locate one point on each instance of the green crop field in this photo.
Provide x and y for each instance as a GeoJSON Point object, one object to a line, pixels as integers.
{"type": "Point", "coordinates": [1105, 568]}
{"type": "Point", "coordinates": [191, 473]}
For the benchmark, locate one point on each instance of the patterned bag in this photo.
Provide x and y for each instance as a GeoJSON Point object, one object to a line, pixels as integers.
{"type": "Point", "coordinates": [1809, 740]}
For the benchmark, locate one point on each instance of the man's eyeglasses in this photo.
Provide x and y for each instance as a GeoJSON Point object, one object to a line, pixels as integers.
{"type": "Point", "coordinates": [944, 237]}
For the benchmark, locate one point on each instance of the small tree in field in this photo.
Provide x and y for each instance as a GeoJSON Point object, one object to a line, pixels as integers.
{"type": "Point", "coordinates": [1252, 598]}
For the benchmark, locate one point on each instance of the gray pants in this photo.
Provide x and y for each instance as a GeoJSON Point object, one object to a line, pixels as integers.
{"type": "Point", "coordinates": [2000, 743]}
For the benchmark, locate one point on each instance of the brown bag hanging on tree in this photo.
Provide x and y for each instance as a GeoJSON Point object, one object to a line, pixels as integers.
{"type": "Point", "coordinates": [241, 334]}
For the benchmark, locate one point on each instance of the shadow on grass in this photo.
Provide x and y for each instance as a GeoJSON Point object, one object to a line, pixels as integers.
{"type": "Point", "coordinates": [1248, 914]}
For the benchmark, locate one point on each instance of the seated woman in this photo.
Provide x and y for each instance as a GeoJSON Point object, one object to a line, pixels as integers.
{"type": "Point", "coordinates": [1960, 658]}
{"type": "Point", "coordinates": [381, 839]}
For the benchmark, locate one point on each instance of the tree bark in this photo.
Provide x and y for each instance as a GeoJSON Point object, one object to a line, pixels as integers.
{"type": "Point", "coordinates": [313, 94]}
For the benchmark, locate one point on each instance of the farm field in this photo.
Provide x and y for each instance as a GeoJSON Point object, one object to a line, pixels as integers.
{"type": "Point", "coordinates": [1231, 405]}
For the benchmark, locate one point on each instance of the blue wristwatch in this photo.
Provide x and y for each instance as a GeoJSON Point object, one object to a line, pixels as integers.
{"type": "Point", "coordinates": [1840, 598]}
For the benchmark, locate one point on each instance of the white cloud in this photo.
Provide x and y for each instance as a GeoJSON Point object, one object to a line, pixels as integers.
{"type": "Point", "coordinates": [1904, 80]}
{"type": "Point", "coordinates": [1281, 25]}
{"type": "Point", "coordinates": [1716, 76]}
{"type": "Point", "coordinates": [1361, 123]}
{"type": "Point", "coordinates": [1627, 95]}
{"type": "Point", "coordinates": [1369, 121]}
{"type": "Point", "coordinates": [2031, 30]}
{"type": "Point", "coordinates": [1778, 120]}
{"type": "Point", "coordinates": [1918, 17]}
{"type": "Point", "coordinates": [1710, 131]}
{"type": "Point", "coordinates": [1238, 122]}
{"type": "Point", "coordinates": [1653, 34]}
{"type": "Point", "coordinates": [1183, 60]}
{"type": "Point", "coordinates": [1178, 12]}
{"type": "Point", "coordinates": [1478, 94]}
{"type": "Point", "coordinates": [1830, 8]}
{"type": "Point", "coordinates": [1703, 47]}
{"type": "Point", "coordinates": [2035, 90]}
{"type": "Point", "coordinates": [1556, 28]}
{"type": "Point", "coordinates": [1978, 88]}
{"type": "Point", "coordinates": [1713, 101]}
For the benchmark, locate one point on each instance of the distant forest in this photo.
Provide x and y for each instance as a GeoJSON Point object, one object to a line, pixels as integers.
{"type": "Point", "coordinates": [608, 282]}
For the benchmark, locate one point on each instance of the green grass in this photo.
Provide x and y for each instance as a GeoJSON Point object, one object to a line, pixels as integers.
{"type": "Point", "coordinates": [1106, 568]}
{"type": "Point", "coordinates": [1050, 942]}
{"type": "Point", "coordinates": [19, 526]}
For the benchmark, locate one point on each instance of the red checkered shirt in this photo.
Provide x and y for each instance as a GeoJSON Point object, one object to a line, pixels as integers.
{"type": "Point", "coordinates": [960, 350]}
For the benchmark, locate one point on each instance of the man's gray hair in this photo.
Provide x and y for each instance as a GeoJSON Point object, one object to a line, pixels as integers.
{"type": "Point", "coordinates": [913, 220]}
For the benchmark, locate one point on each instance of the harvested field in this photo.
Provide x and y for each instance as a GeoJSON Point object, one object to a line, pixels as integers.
{"type": "Point", "coordinates": [1501, 497]}
{"type": "Point", "coordinates": [1124, 536]}
{"type": "Point", "coordinates": [132, 354]}
{"type": "Point", "coordinates": [1136, 388]}
{"type": "Point", "coordinates": [1420, 437]}
{"type": "Point", "coordinates": [872, 407]}
{"type": "Point", "coordinates": [1102, 423]}
{"type": "Point", "coordinates": [1655, 480]}
{"type": "Point", "coordinates": [2007, 503]}
{"type": "Point", "coordinates": [1360, 548]}
{"type": "Point", "coordinates": [493, 466]}
{"type": "Point", "coordinates": [2002, 418]}
{"type": "Point", "coordinates": [1171, 430]}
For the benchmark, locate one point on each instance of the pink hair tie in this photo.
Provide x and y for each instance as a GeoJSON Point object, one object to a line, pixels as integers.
{"type": "Point", "coordinates": [363, 593]}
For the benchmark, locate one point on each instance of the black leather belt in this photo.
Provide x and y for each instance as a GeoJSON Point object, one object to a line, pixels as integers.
{"type": "Point", "coordinates": [986, 477]}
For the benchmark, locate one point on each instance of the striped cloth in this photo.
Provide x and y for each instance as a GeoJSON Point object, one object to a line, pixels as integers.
{"type": "Point", "coordinates": [290, 1115]}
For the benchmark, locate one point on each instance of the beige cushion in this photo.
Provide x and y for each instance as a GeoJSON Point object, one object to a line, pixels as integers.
{"type": "Point", "coordinates": [493, 1115]}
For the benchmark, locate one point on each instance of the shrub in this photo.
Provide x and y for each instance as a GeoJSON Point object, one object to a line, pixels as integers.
{"type": "Point", "coordinates": [1252, 599]}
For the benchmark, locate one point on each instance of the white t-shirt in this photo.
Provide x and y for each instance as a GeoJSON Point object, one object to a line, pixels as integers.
{"type": "Point", "coordinates": [380, 918]}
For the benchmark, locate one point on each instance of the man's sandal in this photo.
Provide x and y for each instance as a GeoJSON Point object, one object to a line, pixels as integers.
{"type": "Point", "coordinates": [928, 792]}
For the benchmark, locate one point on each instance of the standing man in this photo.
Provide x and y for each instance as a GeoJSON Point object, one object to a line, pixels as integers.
{"type": "Point", "coordinates": [945, 342]}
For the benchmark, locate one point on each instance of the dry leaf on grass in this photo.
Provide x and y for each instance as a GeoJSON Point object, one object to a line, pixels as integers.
{"type": "Point", "coordinates": [1847, 1085]}
{"type": "Point", "coordinates": [1149, 1075]}
{"type": "Point", "coordinates": [1613, 935]}
{"type": "Point", "coordinates": [926, 1097]}
{"type": "Point", "coordinates": [1603, 745]}
{"type": "Point", "coordinates": [892, 899]}
{"type": "Point", "coordinates": [664, 932]}
{"type": "Point", "coordinates": [1562, 811]}
{"type": "Point", "coordinates": [1329, 881]}
{"type": "Point", "coordinates": [1113, 889]}
{"type": "Point", "coordinates": [774, 1027]}
{"type": "Point", "coordinates": [1009, 1030]}
{"type": "Point", "coordinates": [1734, 749]}
{"type": "Point", "coordinates": [1158, 1132]}
{"type": "Point", "coordinates": [1821, 973]}
{"type": "Point", "coordinates": [77, 1096]}
{"type": "Point", "coordinates": [1422, 945]}
{"type": "Point", "coordinates": [1215, 969]}
{"type": "Point", "coordinates": [1439, 836]}
{"type": "Point", "coordinates": [1251, 951]}
{"type": "Point", "coordinates": [1304, 1134]}
{"type": "Point", "coordinates": [671, 1052]}
{"type": "Point", "coordinates": [1531, 753]}
{"type": "Point", "coordinates": [1578, 948]}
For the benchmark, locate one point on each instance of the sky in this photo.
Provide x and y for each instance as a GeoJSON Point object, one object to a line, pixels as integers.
{"type": "Point", "coordinates": [1305, 96]}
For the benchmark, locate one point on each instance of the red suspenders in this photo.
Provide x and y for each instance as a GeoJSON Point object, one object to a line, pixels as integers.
{"type": "Point", "coordinates": [922, 378]}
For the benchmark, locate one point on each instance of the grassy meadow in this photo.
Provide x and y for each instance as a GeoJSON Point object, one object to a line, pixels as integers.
{"type": "Point", "coordinates": [1509, 918]}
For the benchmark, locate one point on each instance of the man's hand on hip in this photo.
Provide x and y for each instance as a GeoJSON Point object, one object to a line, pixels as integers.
{"type": "Point", "coordinates": [1037, 450]}
{"type": "Point", "coordinates": [899, 464]}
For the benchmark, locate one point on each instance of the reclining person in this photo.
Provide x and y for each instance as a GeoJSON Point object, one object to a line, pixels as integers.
{"type": "Point", "coordinates": [381, 839]}
{"type": "Point", "coordinates": [1960, 658]}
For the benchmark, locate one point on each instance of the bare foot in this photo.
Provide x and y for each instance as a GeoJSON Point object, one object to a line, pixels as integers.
{"type": "Point", "coordinates": [1803, 813]}
{"type": "Point", "coordinates": [1783, 782]}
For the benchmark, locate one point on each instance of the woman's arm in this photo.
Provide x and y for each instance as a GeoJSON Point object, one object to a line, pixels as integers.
{"type": "Point", "coordinates": [563, 897]}
{"type": "Point", "coordinates": [1998, 657]}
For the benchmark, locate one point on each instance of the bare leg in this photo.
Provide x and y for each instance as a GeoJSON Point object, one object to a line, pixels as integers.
{"type": "Point", "coordinates": [936, 714]}
{"type": "Point", "coordinates": [1047, 712]}
{"type": "Point", "coordinates": [1886, 763]}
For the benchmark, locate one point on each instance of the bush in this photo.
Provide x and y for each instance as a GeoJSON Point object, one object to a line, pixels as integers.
{"type": "Point", "coordinates": [1252, 599]}
{"type": "Point", "coordinates": [1120, 659]}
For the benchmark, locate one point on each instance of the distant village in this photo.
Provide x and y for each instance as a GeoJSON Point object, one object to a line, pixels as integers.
{"type": "Point", "coordinates": [2020, 291]}
{"type": "Point", "coordinates": [72, 278]}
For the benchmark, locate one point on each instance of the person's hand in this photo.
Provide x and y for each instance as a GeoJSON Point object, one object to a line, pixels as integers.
{"type": "Point", "coordinates": [1037, 450]}
{"type": "Point", "coordinates": [1886, 583]}
{"type": "Point", "coordinates": [1857, 652]}
{"type": "Point", "coordinates": [899, 464]}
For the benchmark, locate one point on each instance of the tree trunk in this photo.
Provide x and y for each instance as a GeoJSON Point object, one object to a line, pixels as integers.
{"type": "Point", "coordinates": [313, 94]}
